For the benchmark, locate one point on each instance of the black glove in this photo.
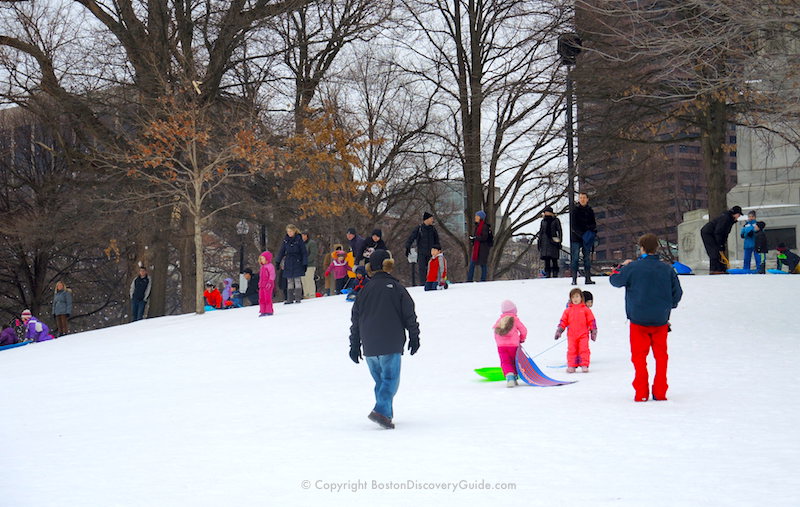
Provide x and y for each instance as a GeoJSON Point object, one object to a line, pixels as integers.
{"type": "Point", "coordinates": [413, 345]}
{"type": "Point", "coordinates": [355, 353]}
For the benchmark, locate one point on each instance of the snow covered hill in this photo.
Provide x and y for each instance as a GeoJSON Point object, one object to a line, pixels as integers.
{"type": "Point", "coordinates": [227, 409]}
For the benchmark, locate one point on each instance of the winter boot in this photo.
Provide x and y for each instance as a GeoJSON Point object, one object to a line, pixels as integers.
{"type": "Point", "coordinates": [571, 369]}
{"type": "Point", "coordinates": [289, 297]}
{"type": "Point", "coordinates": [298, 295]}
{"type": "Point", "coordinates": [554, 273]}
{"type": "Point", "coordinates": [574, 279]}
{"type": "Point", "coordinates": [511, 380]}
{"type": "Point", "coordinates": [381, 419]}
{"type": "Point", "coordinates": [589, 279]}
{"type": "Point", "coordinates": [585, 369]}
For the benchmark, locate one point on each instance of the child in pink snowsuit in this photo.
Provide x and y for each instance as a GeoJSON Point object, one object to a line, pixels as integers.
{"type": "Point", "coordinates": [579, 321]}
{"type": "Point", "coordinates": [266, 282]}
{"type": "Point", "coordinates": [339, 267]}
{"type": "Point", "coordinates": [509, 332]}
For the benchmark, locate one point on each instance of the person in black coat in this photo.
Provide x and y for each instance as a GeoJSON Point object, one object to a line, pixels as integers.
{"type": "Point", "coordinates": [550, 236]}
{"type": "Point", "coordinates": [761, 248]}
{"type": "Point", "coordinates": [582, 232]}
{"type": "Point", "coordinates": [375, 242]}
{"type": "Point", "coordinates": [356, 244]}
{"type": "Point", "coordinates": [715, 237]}
{"type": "Point", "coordinates": [295, 261]}
{"type": "Point", "coordinates": [425, 236]}
{"type": "Point", "coordinates": [381, 315]}
{"type": "Point", "coordinates": [250, 295]}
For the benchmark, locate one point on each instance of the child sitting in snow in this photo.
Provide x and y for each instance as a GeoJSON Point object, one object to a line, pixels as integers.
{"type": "Point", "coordinates": [509, 333]}
{"type": "Point", "coordinates": [437, 270]}
{"type": "Point", "coordinates": [212, 296]}
{"type": "Point", "coordinates": [236, 297]}
{"type": "Point", "coordinates": [788, 258]}
{"type": "Point", "coordinates": [339, 267]}
{"type": "Point", "coordinates": [581, 325]}
{"type": "Point", "coordinates": [361, 280]}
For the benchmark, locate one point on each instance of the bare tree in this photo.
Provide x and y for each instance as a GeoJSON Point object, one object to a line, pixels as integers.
{"type": "Point", "coordinates": [494, 67]}
{"type": "Point", "coordinates": [670, 69]}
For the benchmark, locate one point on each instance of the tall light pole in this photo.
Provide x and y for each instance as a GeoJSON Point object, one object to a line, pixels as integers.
{"type": "Point", "coordinates": [569, 46]}
{"type": "Point", "coordinates": [242, 229]}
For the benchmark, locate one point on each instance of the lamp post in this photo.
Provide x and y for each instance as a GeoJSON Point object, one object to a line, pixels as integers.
{"type": "Point", "coordinates": [241, 229]}
{"type": "Point", "coordinates": [569, 47]}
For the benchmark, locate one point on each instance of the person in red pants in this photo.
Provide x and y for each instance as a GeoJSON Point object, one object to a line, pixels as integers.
{"type": "Point", "coordinates": [652, 290]}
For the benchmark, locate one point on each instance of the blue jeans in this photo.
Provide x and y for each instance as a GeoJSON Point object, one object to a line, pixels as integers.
{"type": "Point", "coordinates": [471, 271]}
{"type": "Point", "coordinates": [760, 258]}
{"type": "Point", "coordinates": [137, 309]}
{"type": "Point", "coordinates": [385, 371]}
{"type": "Point", "coordinates": [574, 251]}
{"type": "Point", "coordinates": [747, 253]}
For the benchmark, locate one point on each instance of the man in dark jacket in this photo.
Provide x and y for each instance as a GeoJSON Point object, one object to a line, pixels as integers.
{"type": "Point", "coordinates": [715, 238]}
{"type": "Point", "coordinates": [382, 314]}
{"type": "Point", "coordinates": [250, 295]}
{"type": "Point", "coordinates": [425, 236]}
{"type": "Point", "coordinates": [582, 231]}
{"type": "Point", "coordinates": [652, 290]}
{"type": "Point", "coordinates": [140, 293]}
{"type": "Point", "coordinates": [356, 244]}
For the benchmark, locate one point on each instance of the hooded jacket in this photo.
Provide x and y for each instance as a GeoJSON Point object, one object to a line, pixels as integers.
{"type": "Point", "coordinates": [266, 275]}
{"type": "Point", "coordinates": [294, 255]}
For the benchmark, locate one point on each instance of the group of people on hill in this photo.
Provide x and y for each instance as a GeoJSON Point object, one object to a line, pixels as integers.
{"type": "Point", "coordinates": [29, 328]}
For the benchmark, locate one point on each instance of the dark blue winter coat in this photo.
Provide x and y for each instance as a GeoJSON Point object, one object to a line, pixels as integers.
{"type": "Point", "coordinates": [294, 256]}
{"type": "Point", "coordinates": [357, 244]}
{"type": "Point", "coordinates": [652, 290]}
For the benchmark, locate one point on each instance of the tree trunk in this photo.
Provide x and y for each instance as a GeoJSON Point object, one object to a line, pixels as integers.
{"type": "Point", "coordinates": [199, 265]}
{"type": "Point", "coordinates": [714, 129]}
{"type": "Point", "coordinates": [159, 256]}
{"type": "Point", "coordinates": [185, 246]}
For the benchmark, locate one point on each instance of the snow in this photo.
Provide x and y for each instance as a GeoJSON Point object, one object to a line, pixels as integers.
{"type": "Point", "coordinates": [230, 409]}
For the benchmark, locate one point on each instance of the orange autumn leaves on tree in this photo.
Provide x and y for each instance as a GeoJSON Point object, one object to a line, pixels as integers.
{"type": "Point", "coordinates": [322, 160]}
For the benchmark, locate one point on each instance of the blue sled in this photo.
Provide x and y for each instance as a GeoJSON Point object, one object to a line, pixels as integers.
{"type": "Point", "coordinates": [14, 345]}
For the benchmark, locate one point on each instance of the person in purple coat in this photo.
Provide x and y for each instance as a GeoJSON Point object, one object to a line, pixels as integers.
{"type": "Point", "coordinates": [36, 330]}
{"type": "Point", "coordinates": [7, 336]}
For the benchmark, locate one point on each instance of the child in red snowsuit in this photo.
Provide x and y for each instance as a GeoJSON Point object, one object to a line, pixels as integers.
{"type": "Point", "coordinates": [579, 321]}
{"type": "Point", "coordinates": [509, 333]}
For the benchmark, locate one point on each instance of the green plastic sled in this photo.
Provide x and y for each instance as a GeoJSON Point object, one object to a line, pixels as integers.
{"type": "Point", "coordinates": [491, 374]}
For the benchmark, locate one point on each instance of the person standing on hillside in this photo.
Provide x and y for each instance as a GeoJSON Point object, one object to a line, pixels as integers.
{"type": "Point", "coordinates": [294, 256]}
{"type": "Point", "coordinates": [582, 233]}
{"type": "Point", "coordinates": [62, 308]}
{"type": "Point", "coordinates": [481, 244]}
{"type": "Point", "coordinates": [550, 236]}
{"type": "Point", "coordinates": [382, 313]}
{"type": "Point", "coordinates": [250, 295]}
{"type": "Point", "coordinates": [140, 293]}
{"type": "Point", "coordinates": [357, 244]}
{"type": "Point", "coordinates": [425, 236]}
{"type": "Point", "coordinates": [652, 290]}
{"type": "Point", "coordinates": [715, 238]}
{"type": "Point", "coordinates": [309, 284]}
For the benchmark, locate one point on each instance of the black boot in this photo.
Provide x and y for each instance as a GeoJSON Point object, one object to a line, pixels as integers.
{"type": "Point", "coordinates": [589, 279]}
{"type": "Point", "coordinates": [574, 279]}
{"type": "Point", "coordinates": [554, 273]}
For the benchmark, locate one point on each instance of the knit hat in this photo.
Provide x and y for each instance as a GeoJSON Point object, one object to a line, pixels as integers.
{"type": "Point", "coordinates": [426, 216]}
{"type": "Point", "coordinates": [377, 258]}
{"type": "Point", "coordinates": [547, 209]}
{"type": "Point", "coordinates": [481, 214]}
{"type": "Point", "coordinates": [587, 296]}
{"type": "Point", "coordinates": [508, 307]}
{"type": "Point", "coordinates": [736, 209]}
{"type": "Point", "coordinates": [377, 232]}
{"type": "Point", "coordinates": [209, 283]}
{"type": "Point", "coordinates": [26, 313]}
{"type": "Point", "coordinates": [761, 225]}
{"type": "Point", "coordinates": [352, 231]}
{"type": "Point", "coordinates": [361, 270]}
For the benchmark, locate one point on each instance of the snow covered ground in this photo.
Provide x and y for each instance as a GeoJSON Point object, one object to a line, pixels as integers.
{"type": "Point", "coordinates": [227, 409]}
